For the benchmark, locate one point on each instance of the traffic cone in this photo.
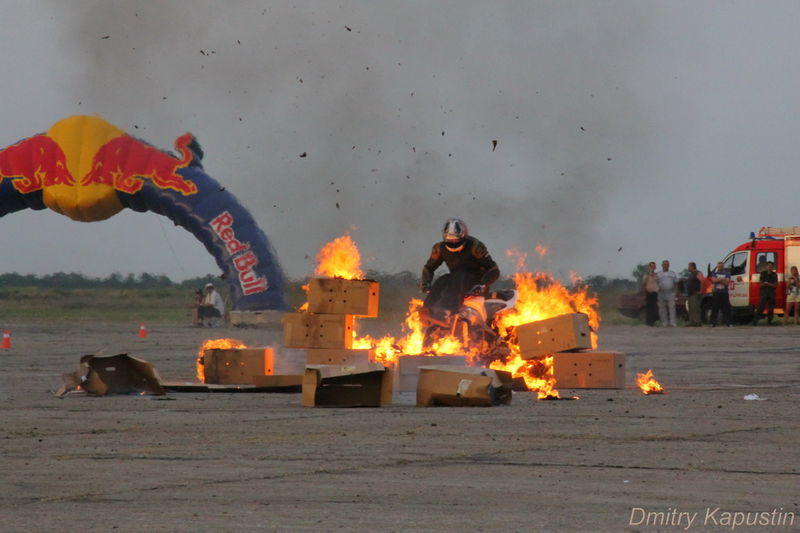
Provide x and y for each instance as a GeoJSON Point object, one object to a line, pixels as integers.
{"type": "Point", "coordinates": [6, 340]}
{"type": "Point", "coordinates": [142, 331]}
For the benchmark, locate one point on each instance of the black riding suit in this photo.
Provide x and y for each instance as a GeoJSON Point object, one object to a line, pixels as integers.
{"type": "Point", "coordinates": [470, 266]}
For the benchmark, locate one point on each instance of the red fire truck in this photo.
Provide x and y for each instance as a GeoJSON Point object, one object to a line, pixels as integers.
{"type": "Point", "coordinates": [781, 246]}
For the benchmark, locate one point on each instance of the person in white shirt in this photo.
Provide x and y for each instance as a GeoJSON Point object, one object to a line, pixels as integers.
{"type": "Point", "coordinates": [212, 306]}
{"type": "Point", "coordinates": [667, 291]}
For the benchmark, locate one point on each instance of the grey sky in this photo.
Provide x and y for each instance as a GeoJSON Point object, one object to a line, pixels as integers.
{"type": "Point", "coordinates": [667, 129]}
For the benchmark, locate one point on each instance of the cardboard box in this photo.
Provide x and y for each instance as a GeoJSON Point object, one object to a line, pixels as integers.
{"type": "Point", "coordinates": [406, 374]}
{"type": "Point", "coordinates": [557, 334]}
{"type": "Point", "coordinates": [339, 356]}
{"type": "Point", "coordinates": [113, 374]}
{"type": "Point", "coordinates": [343, 296]}
{"type": "Point", "coordinates": [310, 330]}
{"type": "Point", "coordinates": [589, 370]}
{"type": "Point", "coordinates": [237, 365]}
{"type": "Point", "coordinates": [347, 386]}
{"type": "Point", "coordinates": [463, 386]}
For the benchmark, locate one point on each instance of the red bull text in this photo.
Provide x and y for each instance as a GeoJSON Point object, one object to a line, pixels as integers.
{"type": "Point", "coordinates": [243, 258]}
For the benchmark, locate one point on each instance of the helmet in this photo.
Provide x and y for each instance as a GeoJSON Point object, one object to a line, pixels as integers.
{"type": "Point", "coordinates": [454, 234]}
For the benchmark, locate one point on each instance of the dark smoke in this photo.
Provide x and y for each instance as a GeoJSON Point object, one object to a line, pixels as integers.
{"type": "Point", "coordinates": [396, 107]}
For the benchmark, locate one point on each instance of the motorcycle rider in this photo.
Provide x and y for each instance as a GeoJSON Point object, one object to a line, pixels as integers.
{"type": "Point", "coordinates": [472, 271]}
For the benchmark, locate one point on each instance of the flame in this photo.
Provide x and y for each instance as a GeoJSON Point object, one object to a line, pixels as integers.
{"type": "Point", "coordinates": [648, 384]}
{"type": "Point", "coordinates": [340, 258]}
{"type": "Point", "coordinates": [537, 373]}
{"type": "Point", "coordinates": [539, 296]}
{"type": "Point", "coordinates": [210, 344]}
{"type": "Point", "coordinates": [520, 258]}
{"type": "Point", "coordinates": [388, 348]}
{"type": "Point", "coordinates": [541, 250]}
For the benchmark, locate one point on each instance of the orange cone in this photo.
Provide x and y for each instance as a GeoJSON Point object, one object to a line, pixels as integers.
{"type": "Point", "coordinates": [6, 340]}
{"type": "Point", "coordinates": [142, 331]}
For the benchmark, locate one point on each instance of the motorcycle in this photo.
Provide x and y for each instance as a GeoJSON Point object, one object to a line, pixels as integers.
{"type": "Point", "coordinates": [473, 325]}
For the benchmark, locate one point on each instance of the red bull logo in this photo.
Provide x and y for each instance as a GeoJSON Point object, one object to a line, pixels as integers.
{"type": "Point", "coordinates": [106, 159]}
{"type": "Point", "coordinates": [124, 163]}
{"type": "Point", "coordinates": [35, 163]}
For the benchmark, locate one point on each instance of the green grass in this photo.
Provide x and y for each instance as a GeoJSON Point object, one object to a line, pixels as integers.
{"type": "Point", "coordinates": [157, 305]}
{"type": "Point", "coordinates": [173, 305]}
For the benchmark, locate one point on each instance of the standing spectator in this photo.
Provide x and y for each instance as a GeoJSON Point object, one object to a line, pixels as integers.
{"type": "Point", "coordinates": [768, 281]}
{"type": "Point", "coordinates": [792, 295]}
{"type": "Point", "coordinates": [667, 287]}
{"type": "Point", "coordinates": [694, 285]}
{"type": "Point", "coordinates": [650, 288]}
{"type": "Point", "coordinates": [720, 299]}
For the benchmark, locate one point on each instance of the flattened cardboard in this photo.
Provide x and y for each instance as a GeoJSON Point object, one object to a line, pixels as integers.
{"type": "Point", "coordinates": [231, 366]}
{"type": "Point", "coordinates": [113, 374]}
{"type": "Point", "coordinates": [283, 383]}
{"type": "Point", "coordinates": [463, 387]}
{"type": "Point", "coordinates": [343, 296]}
{"type": "Point", "coordinates": [557, 334]}
{"type": "Point", "coordinates": [589, 370]}
{"type": "Point", "coordinates": [342, 386]}
{"type": "Point", "coordinates": [289, 382]}
{"type": "Point", "coordinates": [406, 374]}
{"type": "Point", "coordinates": [309, 330]}
{"type": "Point", "coordinates": [338, 356]}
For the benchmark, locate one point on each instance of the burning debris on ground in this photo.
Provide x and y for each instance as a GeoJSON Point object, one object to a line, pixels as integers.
{"type": "Point", "coordinates": [648, 384]}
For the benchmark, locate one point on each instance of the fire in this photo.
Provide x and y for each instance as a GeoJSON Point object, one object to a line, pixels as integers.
{"type": "Point", "coordinates": [648, 384]}
{"type": "Point", "coordinates": [541, 296]}
{"type": "Point", "coordinates": [388, 348]}
{"type": "Point", "coordinates": [210, 344]}
{"type": "Point", "coordinates": [340, 258]}
{"type": "Point", "coordinates": [537, 373]}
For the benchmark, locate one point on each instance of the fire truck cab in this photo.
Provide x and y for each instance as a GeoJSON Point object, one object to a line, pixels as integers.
{"type": "Point", "coordinates": [781, 246]}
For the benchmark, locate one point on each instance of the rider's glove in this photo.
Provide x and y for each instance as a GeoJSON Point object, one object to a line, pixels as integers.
{"type": "Point", "coordinates": [425, 287]}
{"type": "Point", "coordinates": [477, 290]}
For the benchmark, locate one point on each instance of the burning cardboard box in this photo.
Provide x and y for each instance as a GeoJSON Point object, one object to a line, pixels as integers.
{"type": "Point", "coordinates": [557, 334]}
{"type": "Point", "coordinates": [463, 386]}
{"type": "Point", "coordinates": [339, 356]}
{"type": "Point", "coordinates": [311, 330]}
{"type": "Point", "coordinates": [589, 370]}
{"type": "Point", "coordinates": [406, 372]}
{"type": "Point", "coordinates": [343, 296]}
{"type": "Point", "coordinates": [232, 366]}
{"type": "Point", "coordinates": [347, 386]}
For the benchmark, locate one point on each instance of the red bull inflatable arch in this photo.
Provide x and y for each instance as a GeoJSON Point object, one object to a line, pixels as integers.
{"type": "Point", "coordinates": [89, 170]}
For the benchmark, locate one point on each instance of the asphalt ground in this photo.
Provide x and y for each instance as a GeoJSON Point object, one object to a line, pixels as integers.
{"type": "Point", "coordinates": [614, 460]}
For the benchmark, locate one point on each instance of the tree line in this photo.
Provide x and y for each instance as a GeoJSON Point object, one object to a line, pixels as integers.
{"type": "Point", "coordinates": [75, 280]}
{"type": "Point", "coordinates": [405, 279]}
